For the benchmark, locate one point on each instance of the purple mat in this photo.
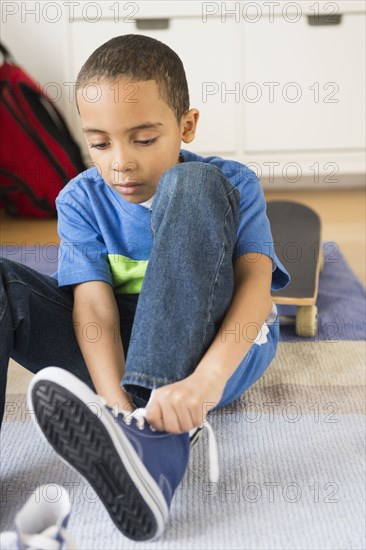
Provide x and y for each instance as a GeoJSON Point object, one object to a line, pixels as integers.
{"type": "Point", "coordinates": [341, 299]}
{"type": "Point", "coordinates": [40, 258]}
{"type": "Point", "coordinates": [341, 302]}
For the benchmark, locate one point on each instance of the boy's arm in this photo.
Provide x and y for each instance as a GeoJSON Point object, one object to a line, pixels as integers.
{"type": "Point", "coordinates": [97, 330]}
{"type": "Point", "coordinates": [183, 405]}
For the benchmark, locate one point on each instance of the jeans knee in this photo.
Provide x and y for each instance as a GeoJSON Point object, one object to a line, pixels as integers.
{"type": "Point", "coordinates": [195, 178]}
{"type": "Point", "coordinates": [197, 187]}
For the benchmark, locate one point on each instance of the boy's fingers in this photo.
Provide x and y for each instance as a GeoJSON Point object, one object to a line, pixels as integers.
{"type": "Point", "coordinates": [176, 420]}
{"type": "Point", "coordinates": [170, 419]}
{"type": "Point", "coordinates": [154, 415]}
{"type": "Point", "coordinates": [153, 392]}
{"type": "Point", "coordinates": [163, 415]}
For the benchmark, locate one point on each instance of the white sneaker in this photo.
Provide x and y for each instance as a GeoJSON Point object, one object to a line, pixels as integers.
{"type": "Point", "coordinates": [41, 522]}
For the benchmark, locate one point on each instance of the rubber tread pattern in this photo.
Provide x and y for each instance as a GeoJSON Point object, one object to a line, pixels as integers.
{"type": "Point", "coordinates": [81, 439]}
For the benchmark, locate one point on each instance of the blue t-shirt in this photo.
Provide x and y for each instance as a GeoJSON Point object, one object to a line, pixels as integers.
{"type": "Point", "coordinates": [106, 238]}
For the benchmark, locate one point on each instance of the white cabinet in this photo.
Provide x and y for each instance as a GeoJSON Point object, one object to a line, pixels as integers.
{"type": "Point", "coordinates": [310, 85]}
{"type": "Point", "coordinates": [275, 91]}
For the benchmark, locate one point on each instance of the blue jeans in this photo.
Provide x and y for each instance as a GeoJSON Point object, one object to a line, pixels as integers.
{"type": "Point", "coordinates": [165, 330]}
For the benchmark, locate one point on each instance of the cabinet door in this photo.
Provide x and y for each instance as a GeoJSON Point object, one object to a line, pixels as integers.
{"type": "Point", "coordinates": [210, 54]}
{"type": "Point", "coordinates": [317, 76]}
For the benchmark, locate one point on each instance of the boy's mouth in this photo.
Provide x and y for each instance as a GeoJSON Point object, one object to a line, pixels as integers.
{"type": "Point", "coordinates": [128, 188]}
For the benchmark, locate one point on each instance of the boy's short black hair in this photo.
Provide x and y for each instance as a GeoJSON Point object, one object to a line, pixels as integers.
{"type": "Point", "coordinates": [140, 58]}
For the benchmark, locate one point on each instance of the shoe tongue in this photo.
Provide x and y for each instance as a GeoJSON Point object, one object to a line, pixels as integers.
{"type": "Point", "coordinates": [49, 506]}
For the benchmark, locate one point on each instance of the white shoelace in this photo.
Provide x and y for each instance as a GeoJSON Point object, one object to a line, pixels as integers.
{"type": "Point", "coordinates": [140, 416]}
{"type": "Point", "coordinates": [40, 541]}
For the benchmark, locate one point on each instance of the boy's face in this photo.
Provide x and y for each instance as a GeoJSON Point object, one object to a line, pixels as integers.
{"type": "Point", "coordinates": [132, 134]}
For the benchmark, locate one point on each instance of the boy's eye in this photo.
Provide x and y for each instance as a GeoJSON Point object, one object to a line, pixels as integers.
{"type": "Point", "coordinates": [99, 146]}
{"type": "Point", "coordinates": [147, 141]}
{"type": "Point", "coordinates": [102, 146]}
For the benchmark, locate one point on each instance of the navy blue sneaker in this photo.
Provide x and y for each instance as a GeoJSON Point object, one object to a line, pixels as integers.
{"type": "Point", "coordinates": [134, 469]}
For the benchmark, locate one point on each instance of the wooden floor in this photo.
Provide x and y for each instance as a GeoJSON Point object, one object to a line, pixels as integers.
{"type": "Point", "coordinates": [342, 213]}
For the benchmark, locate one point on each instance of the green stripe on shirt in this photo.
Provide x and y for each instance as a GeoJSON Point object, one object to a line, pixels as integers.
{"type": "Point", "coordinates": [127, 274]}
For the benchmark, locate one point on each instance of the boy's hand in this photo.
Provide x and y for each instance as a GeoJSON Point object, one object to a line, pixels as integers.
{"type": "Point", "coordinates": [183, 405]}
{"type": "Point", "coordinates": [120, 400]}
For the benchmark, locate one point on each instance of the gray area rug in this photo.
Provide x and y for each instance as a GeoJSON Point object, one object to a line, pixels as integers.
{"type": "Point", "coordinates": [293, 485]}
{"type": "Point", "coordinates": [291, 454]}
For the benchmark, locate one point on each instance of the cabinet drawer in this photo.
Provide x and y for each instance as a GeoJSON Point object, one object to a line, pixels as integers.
{"type": "Point", "coordinates": [317, 77]}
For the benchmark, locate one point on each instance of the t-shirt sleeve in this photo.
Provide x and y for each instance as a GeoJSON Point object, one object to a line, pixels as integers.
{"type": "Point", "coordinates": [254, 231]}
{"type": "Point", "coordinates": [82, 254]}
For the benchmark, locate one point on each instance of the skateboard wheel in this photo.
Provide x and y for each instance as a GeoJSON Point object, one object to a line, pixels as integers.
{"type": "Point", "coordinates": [307, 321]}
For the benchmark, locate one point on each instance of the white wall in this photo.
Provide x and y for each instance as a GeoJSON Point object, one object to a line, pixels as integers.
{"type": "Point", "coordinates": [38, 45]}
{"type": "Point", "coordinates": [44, 42]}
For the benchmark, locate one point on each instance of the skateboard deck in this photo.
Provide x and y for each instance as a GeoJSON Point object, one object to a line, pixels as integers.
{"type": "Point", "coordinates": [296, 232]}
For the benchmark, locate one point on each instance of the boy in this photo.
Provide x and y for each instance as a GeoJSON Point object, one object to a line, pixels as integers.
{"type": "Point", "coordinates": [171, 252]}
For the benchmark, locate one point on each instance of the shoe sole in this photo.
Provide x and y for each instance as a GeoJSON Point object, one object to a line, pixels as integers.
{"type": "Point", "coordinates": [96, 447]}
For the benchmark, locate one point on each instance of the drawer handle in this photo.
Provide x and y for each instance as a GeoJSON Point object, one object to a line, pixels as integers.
{"type": "Point", "coordinates": [321, 19]}
{"type": "Point", "coordinates": [152, 24]}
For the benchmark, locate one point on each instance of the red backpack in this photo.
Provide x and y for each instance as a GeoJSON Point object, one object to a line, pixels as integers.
{"type": "Point", "coordinates": [38, 155]}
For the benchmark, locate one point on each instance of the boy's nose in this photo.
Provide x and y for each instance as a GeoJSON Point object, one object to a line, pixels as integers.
{"type": "Point", "coordinates": [125, 167]}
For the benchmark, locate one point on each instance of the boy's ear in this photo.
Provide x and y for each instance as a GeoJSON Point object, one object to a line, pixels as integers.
{"type": "Point", "coordinates": [189, 125]}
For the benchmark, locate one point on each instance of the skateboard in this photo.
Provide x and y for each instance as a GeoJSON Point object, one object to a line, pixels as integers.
{"type": "Point", "coordinates": [296, 232]}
